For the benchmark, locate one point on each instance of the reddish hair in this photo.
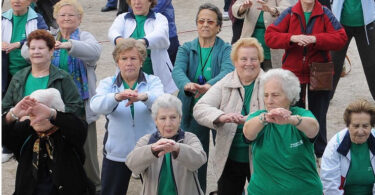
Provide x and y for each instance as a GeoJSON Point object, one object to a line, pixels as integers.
{"type": "Point", "coordinates": [42, 35]}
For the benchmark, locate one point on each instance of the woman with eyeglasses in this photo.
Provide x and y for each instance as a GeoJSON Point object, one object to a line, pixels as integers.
{"type": "Point", "coordinates": [199, 65]}
{"type": "Point", "coordinates": [225, 108]}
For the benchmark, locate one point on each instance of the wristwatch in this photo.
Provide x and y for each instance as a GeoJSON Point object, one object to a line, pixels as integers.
{"type": "Point", "coordinates": [262, 119]}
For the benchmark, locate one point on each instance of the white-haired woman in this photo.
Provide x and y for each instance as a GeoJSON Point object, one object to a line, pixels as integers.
{"type": "Point", "coordinates": [282, 139]}
{"type": "Point", "coordinates": [225, 107]}
{"type": "Point", "coordinates": [48, 145]}
{"type": "Point", "coordinates": [125, 99]}
{"type": "Point", "coordinates": [170, 156]}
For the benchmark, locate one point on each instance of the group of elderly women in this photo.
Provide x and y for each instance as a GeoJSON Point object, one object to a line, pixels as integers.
{"type": "Point", "coordinates": [262, 133]}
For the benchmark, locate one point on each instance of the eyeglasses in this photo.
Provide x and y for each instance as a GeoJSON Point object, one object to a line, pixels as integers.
{"type": "Point", "coordinates": [209, 22]}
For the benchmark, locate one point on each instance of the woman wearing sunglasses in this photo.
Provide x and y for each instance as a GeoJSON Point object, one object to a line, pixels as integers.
{"type": "Point", "coordinates": [199, 65]}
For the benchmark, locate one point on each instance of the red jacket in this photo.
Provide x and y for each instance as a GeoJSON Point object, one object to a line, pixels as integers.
{"type": "Point", "coordinates": [329, 33]}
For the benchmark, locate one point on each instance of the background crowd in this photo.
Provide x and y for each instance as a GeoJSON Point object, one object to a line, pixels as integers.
{"type": "Point", "coordinates": [202, 72]}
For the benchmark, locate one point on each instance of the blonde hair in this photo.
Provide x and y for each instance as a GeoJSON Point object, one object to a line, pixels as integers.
{"type": "Point", "coordinates": [129, 44]}
{"type": "Point", "coordinates": [153, 3]}
{"type": "Point", "coordinates": [50, 97]}
{"type": "Point", "coordinates": [246, 42]}
{"type": "Point", "coordinates": [73, 3]}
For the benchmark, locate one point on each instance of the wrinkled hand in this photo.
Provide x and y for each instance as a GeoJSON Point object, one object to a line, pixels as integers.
{"type": "Point", "coordinates": [246, 5]}
{"type": "Point", "coordinates": [63, 45]}
{"type": "Point", "coordinates": [8, 47]}
{"type": "Point", "coordinates": [303, 40]}
{"type": "Point", "coordinates": [40, 112]}
{"type": "Point", "coordinates": [201, 90]}
{"type": "Point", "coordinates": [164, 146]}
{"type": "Point", "coordinates": [130, 95]}
{"type": "Point", "coordinates": [22, 107]}
{"type": "Point", "coordinates": [279, 116]}
{"type": "Point", "coordinates": [264, 7]}
{"type": "Point", "coordinates": [231, 118]}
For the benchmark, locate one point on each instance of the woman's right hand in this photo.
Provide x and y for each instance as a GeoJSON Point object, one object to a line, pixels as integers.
{"type": "Point", "coordinates": [245, 6]}
{"type": "Point", "coordinates": [21, 109]}
{"type": "Point", "coordinates": [231, 118]}
{"type": "Point", "coordinates": [164, 146]}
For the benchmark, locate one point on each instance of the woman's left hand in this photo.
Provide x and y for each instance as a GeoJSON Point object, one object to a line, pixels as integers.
{"type": "Point", "coordinates": [202, 89]}
{"type": "Point", "coordinates": [278, 116]}
{"type": "Point", "coordinates": [164, 146]}
{"type": "Point", "coordinates": [63, 45]}
{"type": "Point", "coordinates": [40, 112]}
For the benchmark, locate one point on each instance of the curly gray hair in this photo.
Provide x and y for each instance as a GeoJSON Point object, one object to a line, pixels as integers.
{"type": "Point", "coordinates": [166, 101]}
{"type": "Point", "coordinates": [50, 97]}
{"type": "Point", "coordinates": [289, 83]}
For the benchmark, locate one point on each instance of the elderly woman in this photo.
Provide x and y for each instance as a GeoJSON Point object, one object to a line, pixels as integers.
{"type": "Point", "coordinates": [41, 75]}
{"type": "Point", "coordinates": [282, 140]}
{"type": "Point", "coordinates": [151, 29]}
{"type": "Point", "coordinates": [348, 162]}
{"type": "Point", "coordinates": [307, 31]}
{"type": "Point", "coordinates": [77, 53]}
{"type": "Point", "coordinates": [170, 156]}
{"type": "Point", "coordinates": [258, 15]}
{"type": "Point", "coordinates": [16, 24]}
{"type": "Point", "coordinates": [48, 144]}
{"type": "Point", "coordinates": [225, 107]}
{"type": "Point", "coordinates": [125, 99]}
{"type": "Point", "coordinates": [199, 65]}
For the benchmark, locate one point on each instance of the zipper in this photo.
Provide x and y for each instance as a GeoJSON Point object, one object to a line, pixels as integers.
{"type": "Point", "coordinates": [175, 184]}
{"type": "Point", "coordinates": [196, 183]}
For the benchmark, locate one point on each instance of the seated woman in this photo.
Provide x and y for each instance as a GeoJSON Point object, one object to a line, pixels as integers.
{"type": "Point", "coordinates": [125, 99]}
{"type": "Point", "coordinates": [349, 160]}
{"type": "Point", "coordinates": [48, 145]}
{"type": "Point", "coordinates": [225, 107]}
{"type": "Point", "coordinates": [169, 158]}
{"type": "Point", "coordinates": [282, 140]}
{"type": "Point", "coordinates": [151, 29]}
{"type": "Point", "coordinates": [199, 65]}
{"type": "Point", "coordinates": [42, 75]}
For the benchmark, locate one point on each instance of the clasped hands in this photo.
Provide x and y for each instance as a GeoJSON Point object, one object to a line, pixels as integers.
{"type": "Point", "coordinates": [197, 89]}
{"type": "Point", "coordinates": [8, 47]}
{"type": "Point", "coordinates": [130, 95]}
{"type": "Point", "coordinates": [31, 107]}
{"type": "Point", "coordinates": [164, 146]}
{"type": "Point", "coordinates": [279, 116]}
{"type": "Point", "coordinates": [303, 40]}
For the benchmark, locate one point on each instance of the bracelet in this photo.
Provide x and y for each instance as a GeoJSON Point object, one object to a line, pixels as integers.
{"type": "Point", "coordinates": [13, 115]}
{"type": "Point", "coordinates": [262, 119]}
{"type": "Point", "coordinates": [299, 120]}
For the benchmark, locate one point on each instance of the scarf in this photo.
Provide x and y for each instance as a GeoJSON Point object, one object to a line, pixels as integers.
{"type": "Point", "coordinates": [75, 65]}
{"type": "Point", "coordinates": [179, 137]}
{"type": "Point", "coordinates": [43, 139]}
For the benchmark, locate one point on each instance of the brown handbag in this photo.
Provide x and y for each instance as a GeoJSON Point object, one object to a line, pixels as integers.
{"type": "Point", "coordinates": [321, 76]}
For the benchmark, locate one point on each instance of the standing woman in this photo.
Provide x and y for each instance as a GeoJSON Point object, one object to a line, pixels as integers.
{"type": "Point", "coordinates": [225, 107]}
{"type": "Point", "coordinates": [308, 31]}
{"type": "Point", "coordinates": [257, 17]}
{"type": "Point", "coordinates": [358, 19]}
{"type": "Point", "coordinates": [151, 29]}
{"type": "Point", "coordinates": [199, 65]}
{"type": "Point", "coordinates": [125, 99]}
{"type": "Point", "coordinates": [77, 52]}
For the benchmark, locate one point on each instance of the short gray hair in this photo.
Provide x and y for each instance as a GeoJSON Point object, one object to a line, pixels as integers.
{"type": "Point", "coordinates": [166, 101]}
{"type": "Point", "coordinates": [213, 8]}
{"type": "Point", "coordinates": [289, 83]}
{"type": "Point", "coordinates": [50, 97]}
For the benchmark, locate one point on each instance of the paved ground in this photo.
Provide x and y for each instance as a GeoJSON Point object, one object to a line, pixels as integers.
{"type": "Point", "coordinates": [350, 87]}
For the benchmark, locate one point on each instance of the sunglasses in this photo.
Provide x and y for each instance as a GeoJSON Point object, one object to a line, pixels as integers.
{"type": "Point", "coordinates": [209, 22]}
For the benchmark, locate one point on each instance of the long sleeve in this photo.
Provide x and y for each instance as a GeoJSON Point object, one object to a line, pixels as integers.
{"type": "Point", "coordinates": [87, 49]}
{"type": "Point", "coordinates": [104, 101]}
{"type": "Point", "coordinates": [138, 163]}
{"type": "Point", "coordinates": [191, 154]}
{"type": "Point", "coordinates": [180, 69]}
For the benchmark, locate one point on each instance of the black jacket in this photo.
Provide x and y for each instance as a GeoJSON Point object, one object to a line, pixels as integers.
{"type": "Point", "coordinates": [67, 171]}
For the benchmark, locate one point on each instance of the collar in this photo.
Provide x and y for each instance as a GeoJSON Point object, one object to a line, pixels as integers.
{"type": "Point", "coordinates": [195, 44]}
{"type": "Point", "coordinates": [130, 15]}
{"type": "Point", "coordinates": [31, 14]}
{"type": "Point", "coordinates": [345, 144]}
{"type": "Point", "coordinates": [317, 10]}
{"type": "Point", "coordinates": [234, 80]}
{"type": "Point", "coordinates": [179, 137]}
{"type": "Point", "coordinates": [141, 78]}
